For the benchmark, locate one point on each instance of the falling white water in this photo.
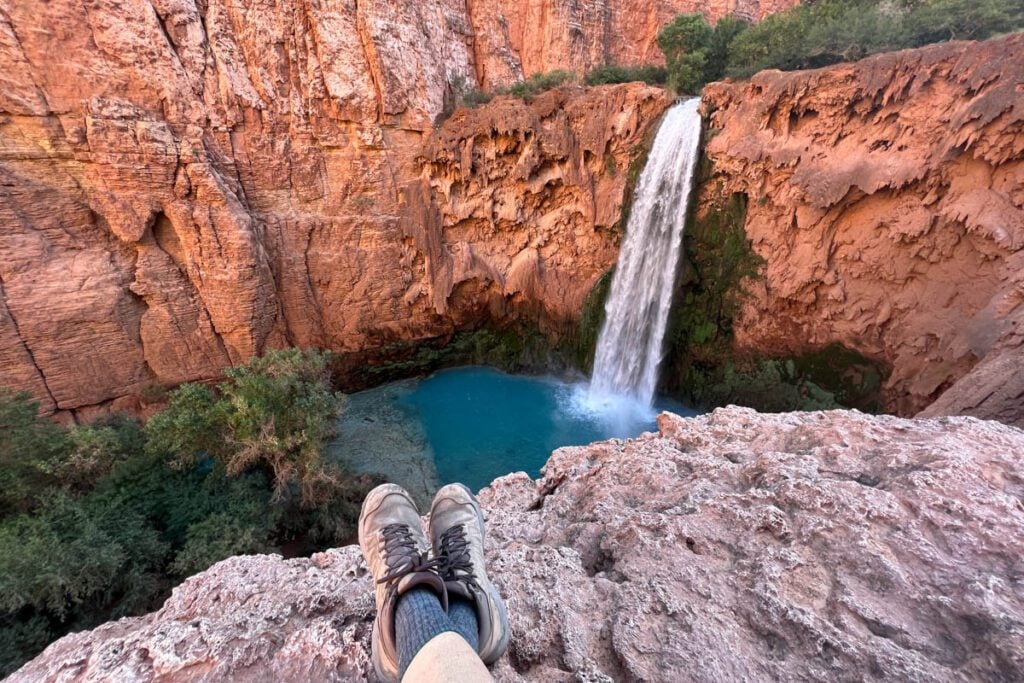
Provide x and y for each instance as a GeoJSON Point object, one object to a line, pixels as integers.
{"type": "Point", "coordinates": [629, 349]}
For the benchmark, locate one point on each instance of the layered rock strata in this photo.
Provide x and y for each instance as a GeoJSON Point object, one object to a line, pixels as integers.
{"type": "Point", "coordinates": [887, 200]}
{"type": "Point", "coordinates": [732, 546]}
{"type": "Point", "coordinates": [189, 185]}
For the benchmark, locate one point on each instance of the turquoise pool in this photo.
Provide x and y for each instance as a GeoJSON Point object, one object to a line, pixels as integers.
{"type": "Point", "coordinates": [474, 424]}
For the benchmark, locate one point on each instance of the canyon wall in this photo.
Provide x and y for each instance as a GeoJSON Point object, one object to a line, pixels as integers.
{"type": "Point", "coordinates": [192, 183]}
{"type": "Point", "coordinates": [183, 184]}
{"type": "Point", "coordinates": [733, 546]}
{"type": "Point", "coordinates": [886, 198]}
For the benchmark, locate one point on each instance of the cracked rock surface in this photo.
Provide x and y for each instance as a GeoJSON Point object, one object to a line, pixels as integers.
{"type": "Point", "coordinates": [732, 546]}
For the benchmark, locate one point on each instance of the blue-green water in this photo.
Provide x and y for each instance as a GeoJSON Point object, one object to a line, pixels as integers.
{"type": "Point", "coordinates": [475, 424]}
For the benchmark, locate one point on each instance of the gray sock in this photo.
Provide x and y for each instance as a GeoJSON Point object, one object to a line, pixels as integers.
{"type": "Point", "coordinates": [462, 614]}
{"type": "Point", "coordinates": [419, 617]}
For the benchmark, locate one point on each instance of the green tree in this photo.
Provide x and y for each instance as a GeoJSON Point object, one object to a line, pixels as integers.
{"type": "Point", "coordinates": [939, 20]}
{"type": "Point", "coordinates": [273, 414]}
{"type": "Point", "coordinates": [77, 551]}
{"type": "Point", "coordinates": [96, 449]}
{"type": "Point", "coordinates": [31, 448]}
{"type": "Point", "coordinates": [99, 521]}
{"type": "Point", "coordinates": [190, 429]}
{"type": "Point", "coordinates": [719, 45]}
{"type": "Point", "coordinates": [824, 32]}
{"type": "Point", "coordinates": [685, 42]}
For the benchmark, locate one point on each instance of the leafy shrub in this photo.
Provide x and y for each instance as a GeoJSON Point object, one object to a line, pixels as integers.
{"type": "Point", "coordinates": [540, 82]}
{"type": "Point", "coordinates": [831, 31]}
{"type": "Point", "coordinates": [611, 73]}
{"type": "Point", "coordinates": [78, 551]}
{"type": "Point", "coordinates": [100, 521]}
{"type": "Point", "coordinates": [30, 451]}
{"type": "Point", "coordinates": [475, 97]}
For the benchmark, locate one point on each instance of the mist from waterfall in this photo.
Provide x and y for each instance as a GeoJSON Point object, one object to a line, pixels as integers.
{"type": "Point", "coordinates": [630, 346]}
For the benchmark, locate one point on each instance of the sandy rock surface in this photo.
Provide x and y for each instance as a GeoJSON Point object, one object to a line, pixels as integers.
{"type": "Point", "coordinates": [732, 546]}
{"type": "Point", "coordinates": [887, 199]}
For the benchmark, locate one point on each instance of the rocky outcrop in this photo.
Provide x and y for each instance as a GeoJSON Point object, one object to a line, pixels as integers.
{"type": "Point", "coordinates": [193, 183]}
{"type": "Point", "coordinates": [887, 200]}
{"type": "Point", "coordinates": [733, 546]}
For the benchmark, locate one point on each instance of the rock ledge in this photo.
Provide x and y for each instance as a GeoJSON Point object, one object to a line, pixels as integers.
{"type": "Point", "coordinates": [732, 546]}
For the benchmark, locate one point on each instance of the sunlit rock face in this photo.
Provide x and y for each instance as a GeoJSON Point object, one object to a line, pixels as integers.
{"type": "Point", "coordinates": [192, 183]}
{"type": "Point", "coordinates": [887, 199]}
{"type": "Point", "coordinates": [736, 545]}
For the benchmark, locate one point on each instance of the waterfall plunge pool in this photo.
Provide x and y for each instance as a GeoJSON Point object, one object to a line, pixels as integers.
{"type": "Point", "coordinates": [474, 424]}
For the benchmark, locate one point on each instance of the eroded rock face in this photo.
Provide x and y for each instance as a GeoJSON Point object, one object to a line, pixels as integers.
{"type": "Point", "coordinates": [193, 182]}
{"type": "Point", "coordinates": [887, 199]}
{"type": "Point", "coordinates": [190, 184]}
{"type": "Point", "coordinates": [737, 545]}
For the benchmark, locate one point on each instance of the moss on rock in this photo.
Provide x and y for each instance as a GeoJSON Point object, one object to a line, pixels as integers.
{"type": "Point", "coordinates": [591, 321]}
{"type": "Point", "coordinates": [514, 348]}
{"type": "Point", "coordinates": [702, 366]}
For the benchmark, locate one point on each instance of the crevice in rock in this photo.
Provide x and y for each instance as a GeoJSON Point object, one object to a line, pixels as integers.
{"type": "Point", "coordinates": [161, 22]}
{"type": "Point", "coordinates": [370, 55]}
{"type": "Point", "coordinates": [39, 91]}
{"type": "Point", "coordinates": [312, 290]}
{"type": "Point", "coordinates": [24, 343]}
{"type": "Point", "coordinates": [602, 561]}
{"type": "Point", "coordinates": [548, 488]}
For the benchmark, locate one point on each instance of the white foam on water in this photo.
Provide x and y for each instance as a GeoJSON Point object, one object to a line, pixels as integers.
{"type": "Point", "coordinates": [615, 414]}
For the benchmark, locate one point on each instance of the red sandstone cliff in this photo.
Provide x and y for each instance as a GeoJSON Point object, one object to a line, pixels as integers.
{"type": "Point", "coordinates": [887, 199]}
{"type": "Point", "coordinates": [189, 184]}
{"type": "Point", "coordinates": [183, 185]}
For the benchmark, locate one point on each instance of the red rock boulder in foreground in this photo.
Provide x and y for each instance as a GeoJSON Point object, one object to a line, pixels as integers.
{"type": "Point", "coordinates": [733, 546]}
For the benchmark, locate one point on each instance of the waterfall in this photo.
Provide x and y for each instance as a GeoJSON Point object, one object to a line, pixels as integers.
{"type": "Point", "coordinates": [629, 348]}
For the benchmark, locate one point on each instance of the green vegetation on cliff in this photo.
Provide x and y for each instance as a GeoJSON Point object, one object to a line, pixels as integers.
{"type": "Point", "coordinates": [702, 366]}
{"type": "Point", "coordinates": [591, 321]}
{"type": "Point", "coordinates": [512, 348]}
{"type": "Point", "coordinates": [694, 52]}
{"type": "Point", "coordinates": [826, 32]}
{"type": "Point", "coordinates": [100, 521]}
{"type": "Point", "coordinates": [462, 94]}
{"type": "Point", "coordinates": [612, 73]}
{"type": "Point", "coordinates": [823, 32]}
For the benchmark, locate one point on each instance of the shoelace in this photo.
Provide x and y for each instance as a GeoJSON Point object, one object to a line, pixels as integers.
{"type": "Point", "coordinates": [402, 557]}
{"type": "Point", "coordinates": [456, 562]}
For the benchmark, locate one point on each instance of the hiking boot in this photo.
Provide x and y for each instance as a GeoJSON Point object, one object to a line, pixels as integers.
{"type": "Point", "coordinates": [393, 544]}
{"type": "Point", "coordinates": [457, 533]}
